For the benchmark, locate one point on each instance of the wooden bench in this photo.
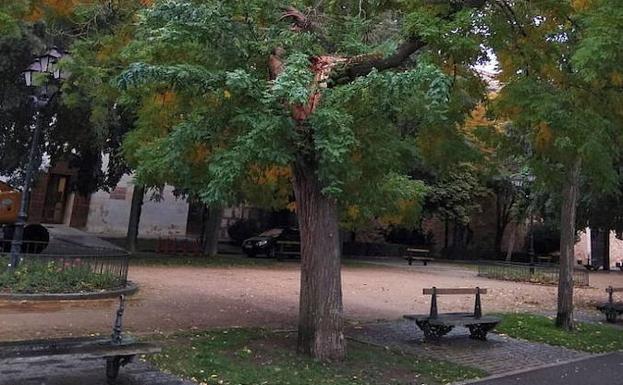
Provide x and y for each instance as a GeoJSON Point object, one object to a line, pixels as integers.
{"type": "Point", "coordinates": [592, 267]}
{"type": "Point", "coordinates": [435, 325]}
{"type": "Point", "coordinates": [118, 350]}
{"type": "Point", "coordinates": [612, 309]}
{"type": "Point", "coordinates": [290, 249]}
{"type": "Point", "coordinates": [422, 255]}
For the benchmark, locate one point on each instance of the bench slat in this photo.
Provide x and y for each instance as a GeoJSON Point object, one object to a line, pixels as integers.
{"type": "Point", "coordinates": [79, 347]}
{"type": "Point", "coordinates": [454, 319]}
{"type": "Point", "coordinates": [453, 291]}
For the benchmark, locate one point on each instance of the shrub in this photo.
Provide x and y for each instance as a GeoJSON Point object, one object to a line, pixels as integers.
{"type": "Point", "coordinates": [55, 277]}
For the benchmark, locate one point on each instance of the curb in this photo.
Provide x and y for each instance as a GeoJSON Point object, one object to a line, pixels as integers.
{"type": "Point", "coordinates": [531, 369]}
{"type": "Point", "coordinates": [130, 289]}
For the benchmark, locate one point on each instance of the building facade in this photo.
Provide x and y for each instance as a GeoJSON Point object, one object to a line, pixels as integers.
{"type": "Point", "coordinates": [107, 213]}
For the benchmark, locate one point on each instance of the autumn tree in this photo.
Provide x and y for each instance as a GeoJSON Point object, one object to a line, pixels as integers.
{"type": "Point", "coordinates": [563, 120]}
{"type": "Point", "coordinates": [339, 93]}
{"type": "Point", "coordinates": [35, 26]}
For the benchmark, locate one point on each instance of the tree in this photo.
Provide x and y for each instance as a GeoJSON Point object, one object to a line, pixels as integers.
{"type": "Point", "coordinates": [563, 121]}
{"type": "Point", "coordinates": [339, 94]}
{"type": "Point", "coordinates": [36, 25]}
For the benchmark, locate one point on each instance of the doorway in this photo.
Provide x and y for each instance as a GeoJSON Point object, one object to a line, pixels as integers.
{"type": "Point", "coordinates": [55, 198]}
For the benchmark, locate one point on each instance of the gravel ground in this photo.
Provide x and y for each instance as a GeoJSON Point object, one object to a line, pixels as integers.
{"type": "Point", "coordinates": [174, 298]}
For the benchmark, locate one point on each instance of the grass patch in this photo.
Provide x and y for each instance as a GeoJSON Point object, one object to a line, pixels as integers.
{"type": "Point", "coordinates": [592, 338]}
{"type": "Point", "coordinates": [54, 277]}
{"type": "Point", "coordinates": [250, 357]}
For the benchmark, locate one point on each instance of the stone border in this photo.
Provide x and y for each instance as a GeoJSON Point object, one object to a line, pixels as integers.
{"type": "Point", "coordinates": [130, 289]}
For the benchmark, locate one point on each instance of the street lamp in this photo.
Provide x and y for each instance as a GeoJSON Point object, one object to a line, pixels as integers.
{"type": "Point", "coordinates": [46, 65]}
{"type": "Point", "coordinates": [524, 181]}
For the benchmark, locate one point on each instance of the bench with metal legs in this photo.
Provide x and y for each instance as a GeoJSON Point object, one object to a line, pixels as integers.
{"type": "Point", "coordinates": [435, 325]}
{"type": "Point", "coordinates": [118, 350]}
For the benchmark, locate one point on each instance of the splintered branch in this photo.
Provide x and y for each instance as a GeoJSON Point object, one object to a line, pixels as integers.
{"type": "Point", "coordinates": [356, 68]}
{"type": "Point", "coordinates": [350, 69]}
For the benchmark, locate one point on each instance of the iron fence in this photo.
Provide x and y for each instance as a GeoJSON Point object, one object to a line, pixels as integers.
{"type": "Point", "coordinates": [63, 255]}
{"type": "Point", "coordinates": [526, 272]}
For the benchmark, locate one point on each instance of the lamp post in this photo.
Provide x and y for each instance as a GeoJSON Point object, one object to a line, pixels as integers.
{"type": "Point", "coordinates": [524, 182]}
{"type": "Point", "coordinates": [45, 65]}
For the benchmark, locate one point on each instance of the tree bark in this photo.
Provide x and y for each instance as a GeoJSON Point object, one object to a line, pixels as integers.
{"type": "Point", "coordinates": [211, 225]}
{"type": "Point", "coordinates": [501, 222]}
{"type": "Point", "coordinates": [321, 328]}
{"type": "Point", "coordinates": [511, 245]}
{"type": "Point", "coordinates": [135, 216]}
{"type": "Point", "coordinates": [570, 192]}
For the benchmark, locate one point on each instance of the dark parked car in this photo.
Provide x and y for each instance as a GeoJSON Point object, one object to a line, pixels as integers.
{"type": "Point", "coordinates": [272, 243]}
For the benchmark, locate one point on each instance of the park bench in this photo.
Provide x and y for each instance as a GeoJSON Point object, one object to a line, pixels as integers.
{"type": "Point", "coordinates": [287, 249]}
{"type": "Point", "coordinates": [612, 309]}
{"type": "Point", "coordinates": [422, 255]}
{"type": "Point", "coordinates": [118, 350]}
{"type": "Point", "coordinates": [590, 267]}
{"type": "Point", "coordinates": [435, 325]}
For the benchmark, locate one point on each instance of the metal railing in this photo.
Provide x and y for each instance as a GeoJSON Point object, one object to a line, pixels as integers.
{"type": "Point", "coordinates": [64, 255]}
{"type": "Point", "coordinates": [526, 272]}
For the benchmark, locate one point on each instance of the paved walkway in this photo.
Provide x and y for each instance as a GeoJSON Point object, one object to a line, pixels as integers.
{"type": "Point", "coordinates": [83, 372]}
{"type": "Point", "coordinates": [601, 370]}
{"type": "Point", "coordinates": [498, 355]}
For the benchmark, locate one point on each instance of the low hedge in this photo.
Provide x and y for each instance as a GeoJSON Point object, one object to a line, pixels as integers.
{"type": "Point", "coordinates": [54, 277]}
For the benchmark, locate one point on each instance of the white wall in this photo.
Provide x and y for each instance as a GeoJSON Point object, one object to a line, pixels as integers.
{"type": "Point", "coordinates": [109, 213]}
{"type": "Point", "coordinates": [582, 249]}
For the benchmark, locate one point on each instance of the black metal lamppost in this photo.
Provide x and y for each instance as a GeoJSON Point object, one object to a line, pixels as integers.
{"type": "Point", "coordinates": [45, 65]}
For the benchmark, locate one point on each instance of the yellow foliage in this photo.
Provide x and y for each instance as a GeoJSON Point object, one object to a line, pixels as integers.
{"type": "Point", "coordinates": [617, 78]}
{"type": "Point", "coordinates": [400, 217]}
{"type": "Point", "coordinates": [112, 47]}
{"type": "Point", "coordinates": [291, 206]}
{"type": "Point", "coordinates": [353, 212]}
{"type": "Point", "coordinates": [198, 154]}
{"type": "Point", "coordinates": [160, 111]}
{"type": "Point", "coordinates": [57, 7]}
{"type": "Point", "coordinates": [166, 98]}
{"type": "Point", "coordinates": [478, 118]}
{"type": "Point", "coordinates": [580, 5]}
{"type": "Point", "coordinates": [544, 136]}
{"type": "Point", "coordinates": [269, 175]}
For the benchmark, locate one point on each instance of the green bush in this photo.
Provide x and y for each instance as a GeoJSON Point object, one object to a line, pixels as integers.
{"type": "Point", "coordinates": [55, 277]}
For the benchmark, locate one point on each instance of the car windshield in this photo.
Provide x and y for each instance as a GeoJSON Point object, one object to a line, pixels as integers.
{"type": "Point", "coordinates": [272, 233]}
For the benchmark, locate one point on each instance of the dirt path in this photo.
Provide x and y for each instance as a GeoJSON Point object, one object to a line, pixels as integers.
{"type": "Point", "coordinates": [175, 298]}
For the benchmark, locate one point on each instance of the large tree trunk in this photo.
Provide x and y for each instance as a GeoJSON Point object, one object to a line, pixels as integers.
{"type": "Point", "coordinates": [211, 226]}
{"type": "Point", "coordinates": [570, 192]}
{"type": "Point", "coordinates": [135, 216]}
{"type": "Point", "coordinates": [320, 332]}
